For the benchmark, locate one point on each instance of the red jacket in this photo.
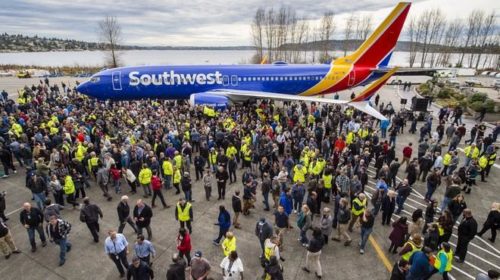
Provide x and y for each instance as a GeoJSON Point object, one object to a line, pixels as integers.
{"type": "Point", "coordinates": [407, 151]}
{"type": "Point", "coordinates": [155, 183]}
{"type": "Point", "coordinates": [184, 244]}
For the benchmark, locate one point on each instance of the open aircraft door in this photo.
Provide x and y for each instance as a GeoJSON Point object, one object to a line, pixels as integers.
{"type": "Point", "coordinates": [116, 77]}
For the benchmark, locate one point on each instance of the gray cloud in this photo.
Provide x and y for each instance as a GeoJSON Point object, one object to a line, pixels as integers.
{"type": "Point", "coordinates": [161, 22]}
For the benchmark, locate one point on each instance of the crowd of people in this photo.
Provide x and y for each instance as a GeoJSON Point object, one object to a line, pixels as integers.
{"type": "Point", "coordinates": [308, 164]}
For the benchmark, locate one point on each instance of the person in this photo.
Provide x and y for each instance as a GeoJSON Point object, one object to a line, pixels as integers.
{"type": "Point", "coordinates": [187, 187]}
{"type": "Point", "coordinates": [221, 175]}
{"type": "Point", "coordinates": [304, 223]}
{"type": "Point", "coordinates": [130, 178]}
{"type": "Point", "coordinates": [467, 229]}
{"type": "Point", "coordinates": [326, 224]}
{"type": "Point", "coordinates": [7, 245]}
{"type": "Point", "coordinates": [89, 214]}
{"type": "Point", "coordinates": [69, 191]}
{"type": "Point", "coordinates": [457, 206]}
{"type": "Point", "coordinates": [263, 231]}
{"type": "Point", "coordinates": [144, 249]}
{"type": "Point", "coordinates": [314, 252]}
{"type": "Point", "coordinates": [156, 186]}
{"type": "Point", "coordinates": [414, 244]}
{"type": "Point", "coordinates": [367, 221]}
{"type": "Point", "coordinates": [237, 208]}
{"type": "Point", "coordinates": [176, 270]}
{"type": "Point", "coordinates": [184, 214]}
{"type": "Point", "coordinates": [145, 176]}
{"type": "Point", "coordinates": [492, 222]}
{"type": "Point", "coordinates": [200, 267]}
{"type": "Point", "coordinates": [142, 217]}
{"type": "Point", "coordinates": [229, 244]}
{"type": "Point", "coordinates": [281, 223]}
{"type": "Point", "coordinates": [273, 270]}
{"type": "Point", "coordinates": [400, 270]}
{"type": "Point", "coordinates": [139, 270]}
{"type": "Point", "coordinates": [398, 234]}
{"type": "Point", "coordinates": [177, 179]}
{"type": "Point", "coordinates": [388, 206]}
{"type": "Point", "coordinates": [116, 247]}
{"type": "Point", "coordinates": [232, 267]}
{"type": "Point", "coordinates": [224, 223]}
{"type": "Point", "coordinates": [32, 219]}
{"type": "Point", "coordinates": [123, 210]}
{"type": "Point", "coordinates": [38, 188]}
{"type": "Point", "coordinates": [102, 179]}
{"type": "Point", "coordinates": [184, 245]}
{"type": "Point", "coordinates": [58, 230]}
{"type": "Point", "coordinates": [443, 261]}
{"type": "Point", "coordinates": [417, 222]}
{"type": "Point", "coordinates": [207, 184]}
{"type": "Point", "coordinates": [431, 238]}
{"type": "Point", "coordinates": [3, 206]}
{"type": "Point", "coordinates": [344, 215]}
{"type": "Point", "coordinates": [403, 190]}
{"type": "Point", "coordinates": [271, 248]}
{"type": "Point", "coordinates": [358, 208]}
{"type": "Point", "coordinates": [420, 266]}
{"type": "Point", "coordinates": [491, 275]}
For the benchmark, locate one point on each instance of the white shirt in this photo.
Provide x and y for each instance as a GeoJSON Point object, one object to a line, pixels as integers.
{"type": "Point", "coordinates": [236, 269]}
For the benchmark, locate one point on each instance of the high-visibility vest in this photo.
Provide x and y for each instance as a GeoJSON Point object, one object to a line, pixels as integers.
{"type": "Point", "coordinates": [446, 159]}
{"type": "Point", "coordinates": [177, 176]}
{"type": "Point", "coordinates": [449, 258]}
{"type": "Point", "coordinates": [492, 159]}
{"type": "Point", "coordinates": [247, 153]}
{"type": "Point", "coordinates": [183, 215]}
{"type": "Point", "coordinates": [305, 159]}
{"type": "Point", "coordinates": [93, 163]}
{"type": "Point", "coordinates": [483, 162]}
{"type": "Point", "coordinates": [69, 186]}
{"type": "Point", "coordinates": [209, 112]}
{"type": "Point", "coordinates": [322, 164]}
{"type": "Point", "coordinates": [406, 256]}
{"type": "Point", "coordinates": [440, 230]}
{"type": "Point", "coordinates": [167, 167]}
{"type": "Point", "coordinates": [231, 151]}
{"type": "Point", "coordinates": [178, 161]}
{"type": "Point", "coordinates": [299, 174]}
{"type": "Point", "coordinates": [360, 203]}
{"type": "Point", "coordinates": [145, 176]}
{"type": "Point", "coordinates": [327, 180]}
{"type": "Point", "coordinates": [363, 133]}
{"type": "Point", "coordinates": [229, 245]}
{"type": "Point", "coordinates": [269, 252]}
{"type": "Point", "coordinates": [80, 152]}
{"type": "Point", "coordinates": [472, 154]}
{"type": "Point", "coordinates": [213, 157]}
{"type": "Point", "coordinates": [350, 138]}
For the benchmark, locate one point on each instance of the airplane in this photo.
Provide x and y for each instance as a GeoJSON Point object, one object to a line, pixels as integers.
{"type": "Point", "coordinates": [221, 85]}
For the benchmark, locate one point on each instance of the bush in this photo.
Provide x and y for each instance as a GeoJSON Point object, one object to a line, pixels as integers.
{"type": "Point", "coordinates": [478, 97]}
{"type": "Point", "coordinates": [424, 89]}
{"type": "Point", "coordinates": [445, 93]}
{"type": "Point", "coordinates": [478, 105]}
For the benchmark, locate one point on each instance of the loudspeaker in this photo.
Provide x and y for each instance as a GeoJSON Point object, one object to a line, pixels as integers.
{"type": "Point", "coordinates": [403, 101]}
{"type": "Point", "coordinates": [419, 104]}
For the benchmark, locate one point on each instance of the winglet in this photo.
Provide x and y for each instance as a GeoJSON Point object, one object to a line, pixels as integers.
{"type": "Point", "coordinates": [264, 60]}
{"type": "Point", "coordinates": [371, 89]}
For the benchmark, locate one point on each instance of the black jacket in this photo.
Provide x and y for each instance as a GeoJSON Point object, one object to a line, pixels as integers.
{"type": "Point", "coordinates": [493, 219]}
{"type": "Point", "coordinates": [37, 186]}
{"type": "Point", "coordinates": [467, 228]}
{"type": "Point", "coordinates": [397, 274]}
{"type": "Point", "coordinates": [90, 213]}
{"type": "Point", "coordinates": [263, 230]}
{"type": "Point", "coordinates": [142, 272]}
{"type": "Point", "coordinates": [123, 211]}
{"type": "Point", "coordinates": [33, 218]}
{"type": "Point", "coordinates": [316, 244]}
{"type": "Point", "coordinates": [344, 215]}
{"type": "Point", "coordinates": [146, 213]}
{"type": "Point", "coordinates": [4, 230]}
{"type": "Point", "coordinates": [236, 201]}
{"type": "Point", "coordinates": [176, 271]}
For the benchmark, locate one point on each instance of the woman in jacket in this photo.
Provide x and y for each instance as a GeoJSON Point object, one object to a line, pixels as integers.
{"type": "Point", "coordinates": [326, 223]}
{"type": "Point", "coordinates": [417, 222]}
{"type": "Point", "coordinates": [304, 222]}
{"type": "Point", "coordinates": [457, 206]}
{"type": "Point", "coordinates": [445, 224]}
{"type": "Point", "coordinates": [492, 222]}
{"type": "Point", "coordinates": [184, 245]}
{"type": "Point", "coordinates": [398, 234]}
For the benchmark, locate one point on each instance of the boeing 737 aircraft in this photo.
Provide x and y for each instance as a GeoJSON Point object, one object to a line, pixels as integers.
{"type": "Point", "coordinates": [219, 85]}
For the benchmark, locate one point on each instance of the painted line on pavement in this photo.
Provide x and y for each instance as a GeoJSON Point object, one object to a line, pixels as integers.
{"type": "Point", "coordinates": [380, 253]}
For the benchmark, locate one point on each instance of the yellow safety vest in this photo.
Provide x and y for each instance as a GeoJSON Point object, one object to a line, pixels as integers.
{"type": "Point", "coordinates": [492, 159]}
{"type": "Point", "coordinates": [183, 215]}
{"type": "Point", "coordinates": [483, 162]}
{"type": "Point", "coordinates": [327, 180]}
{"type": "Point", "coordinates": [177, 176]}
{"type": "Point", "coordinates": [145, 176]}
{"type": "Point", "coordinates": [449, 257]}
{"type": "Point", "coordinates": [69, 186]}
{"type": "Point", "coordinates": [299, 174]}
{"type": "Point", "coordinates": [229, 245]}
{"type": "Point", "coordinates": [414, 249]}
{"type": "Point", "coordinates": [209, 112]}
{"type": "Point", "coordinates": [360, 203]}
{"type": "Point", "coordinates": [213, 157]}
{"type": "Point", "coordinates": [472, 154]}
{"type": "Point", "coordinates": [167, 167]}
{"type": "Point", "coordinates": [440, 230]}
{"type": "Point", "coordinates": [231, 151]}
{"type": "Point", "coordinates": [349, 138]}
{"type": "Point", "coordinates": [93, 162]}
{"type": "Point", "coordinates": [446, 159]}
{"type": "Point", "coordinates": [178, 161]}
{"type": "Point", "coordinates": [269, 252]}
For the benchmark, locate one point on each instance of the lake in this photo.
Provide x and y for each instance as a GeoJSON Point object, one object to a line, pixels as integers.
{"type": "Point", "coordinates": [157, 57]}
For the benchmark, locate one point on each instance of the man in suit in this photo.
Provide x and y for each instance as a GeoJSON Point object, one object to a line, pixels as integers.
{"type": "Point", "coordinates": [142, 217]}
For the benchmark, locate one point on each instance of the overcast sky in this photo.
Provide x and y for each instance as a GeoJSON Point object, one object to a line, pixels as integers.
{"type": "Point", "coordinates": [192, 22]}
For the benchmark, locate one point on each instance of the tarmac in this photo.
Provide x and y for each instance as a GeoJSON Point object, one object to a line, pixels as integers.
{"type": "Point", "coordinates": [87, 260]}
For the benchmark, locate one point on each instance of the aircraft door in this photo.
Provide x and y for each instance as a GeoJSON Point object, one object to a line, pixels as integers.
{"type": "Point", "coordinates": [234, 80]}
{"type": "Point", "coordinates": [225, 80]}
{"type": "Point", "coordinates": [352, 78]}
{"type": "Point", "coordinates": [116, 78]}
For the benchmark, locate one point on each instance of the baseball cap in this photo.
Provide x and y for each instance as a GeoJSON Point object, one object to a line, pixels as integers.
{"type": "Point", "coordinates": [197, 254]}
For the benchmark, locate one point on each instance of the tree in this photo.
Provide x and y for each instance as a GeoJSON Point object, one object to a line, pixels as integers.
{"type": "Point", "coordinates": [485, 33]}
{"type": "Point", "coordinates": [363, 27]}
{"type": "Point", "coordinates": [326, 30]}
{"type": "Point", "coordinates": [257, 32]}
{"type": "Point", "coordinates": [413, 41]}
{"type": "Point", "coordinates": [451, 40]}
{"type": "Point", "coordinates": [349, 32]}
{"type": "Point", "coordinates": [473, 21]}
{"type": "Point", "coordinates": [110, 32]}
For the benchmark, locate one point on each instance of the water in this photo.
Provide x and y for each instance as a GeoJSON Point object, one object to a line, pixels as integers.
{"type": "Point", "coordinates": [162, 57]}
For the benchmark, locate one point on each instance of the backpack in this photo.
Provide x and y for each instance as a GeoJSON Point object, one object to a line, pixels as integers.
{"type": "Point", "coordinates": [301, 221]}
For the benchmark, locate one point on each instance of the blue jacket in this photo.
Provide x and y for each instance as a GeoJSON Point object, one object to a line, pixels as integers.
{"type": "Point", "coordinates": [224, 220]}
{"type": "Point", "coordinates": [420, 266]}
{"type": "Point", "coordinates": [286, 202]}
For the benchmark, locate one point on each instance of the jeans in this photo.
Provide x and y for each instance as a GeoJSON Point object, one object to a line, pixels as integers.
{"type": "Point", "coordinates": [167, 179]}
{"type": "Point", "coordinates": [430, 191]}
{"type": "Point", "coordinates": [188, 195]}
{"type": "Point", "coordinates": [297, 203]}
{"type": "Point", "coordinates": [40, 200]}
{"type": "Point", "coordinates": [31, 235]}
{"type": "Point", "coordinates": [116, 185]}
{"type": "Point", "coordinates": [147, 189]}
{"type": "Point", "coordinates": [444, 204]}
{"type": "Point", "coordinates": [64, 247]}
{"type": "Point", "coordinates": [400, 200]}
{"type": "Point", "coordinates": [266, 200]}
{"type": "Point", "coordinates": [365, 233]}
{"type": "Point", "coordinates": [303, 237]}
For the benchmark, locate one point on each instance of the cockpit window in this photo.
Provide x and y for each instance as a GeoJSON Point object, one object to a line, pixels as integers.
{"type": "Point", "coordinates": [95, 79]}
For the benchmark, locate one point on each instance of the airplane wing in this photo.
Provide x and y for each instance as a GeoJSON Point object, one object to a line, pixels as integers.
{"type": "Point", "coordinates": [363, 106]}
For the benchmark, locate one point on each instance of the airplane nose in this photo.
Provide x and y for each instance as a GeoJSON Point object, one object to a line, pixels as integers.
{"type": "Point", "coordinates": [83, 88]}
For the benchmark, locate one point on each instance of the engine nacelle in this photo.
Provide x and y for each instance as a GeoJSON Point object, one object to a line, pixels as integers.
{"type": "Point", "coordinates": [212, 100]}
